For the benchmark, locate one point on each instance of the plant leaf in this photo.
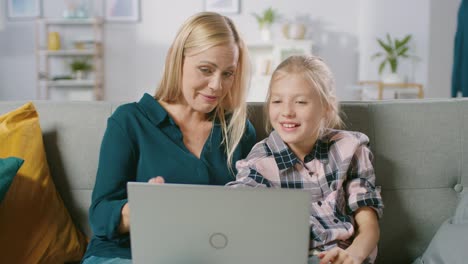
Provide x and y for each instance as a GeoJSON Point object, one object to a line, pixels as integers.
{"type": "Point", "coordinates": [378, 54]}
{"type": "Point", "coordinates": [403, 52]}
{"type": "Point", "coordinates": [382, 66]}
{"type": "Point", "coordinates": [393, 64]}
{"type": "Point", "coordinates": [390, 42]}
{"type": "Point", "coordinates": [397, 44]}
{"type": "Point", "coordinates": [405, 40]}
{"type": "Point", "coordinates": [387, 48]}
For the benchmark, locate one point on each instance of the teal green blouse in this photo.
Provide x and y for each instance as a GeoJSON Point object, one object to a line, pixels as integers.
{"type": "Point", "coordinates": [142, 141]}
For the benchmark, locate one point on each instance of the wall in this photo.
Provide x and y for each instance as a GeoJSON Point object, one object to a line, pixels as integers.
{"type": "Point", "coordinates": [343, 31]}
{"type": "Point", "coordinates": [398, 18]}
{"type": "Point", "coordinates": [441, 43]}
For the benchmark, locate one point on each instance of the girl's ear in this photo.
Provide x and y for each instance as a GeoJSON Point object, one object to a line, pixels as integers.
{"type": "Point", "coordinates": [327, 116]}
{"type": "Point", "coordinates": [327, 113]}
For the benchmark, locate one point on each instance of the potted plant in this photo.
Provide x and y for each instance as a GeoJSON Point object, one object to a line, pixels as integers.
{"type": "Point", "coordinates": [80, 67]}
{"type": "Point", "coordinates": [393, 50]}
{"type": "Point", "coordinates": [265, 20]}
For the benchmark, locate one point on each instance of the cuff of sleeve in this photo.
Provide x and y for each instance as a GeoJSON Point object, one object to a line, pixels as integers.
{"type": "Point", "coordinates": [113, 231]}
{"type": "Point", "coordinates": [366, 200]}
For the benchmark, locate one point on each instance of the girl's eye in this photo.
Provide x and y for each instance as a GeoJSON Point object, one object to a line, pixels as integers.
{"type": "Point", "coordinates": [301, 102]}
{"type": "Point", "coordinates": [276, 101]}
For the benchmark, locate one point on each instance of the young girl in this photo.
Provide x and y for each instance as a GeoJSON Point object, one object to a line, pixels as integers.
{"type": "Point", "coordinates": [305, 151]}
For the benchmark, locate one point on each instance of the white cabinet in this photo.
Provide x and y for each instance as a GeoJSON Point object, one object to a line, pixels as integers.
{"type": "Point", "coordinates": [265, 57]}
{"type": "Point", "coordinates": [61, 42]}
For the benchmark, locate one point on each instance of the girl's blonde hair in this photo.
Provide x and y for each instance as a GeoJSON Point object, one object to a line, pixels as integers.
{"type": "Point", "coordinates": [318, 74]}
{"type": "Point", "coordinates": [199, 33]}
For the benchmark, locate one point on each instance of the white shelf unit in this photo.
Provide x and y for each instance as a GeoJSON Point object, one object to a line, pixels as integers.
{"type": "Point", "coordinates": [265, 57]}
{"type": "Point", "coordinates": [67, 29]}
{"type": "Point", "coordinates": [70, 52]}
{"type": "Point", "coordinates": [71, 83]}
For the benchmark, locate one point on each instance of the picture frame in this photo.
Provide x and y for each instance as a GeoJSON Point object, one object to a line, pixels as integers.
{"type": "Point", "coordinates": [122, 10]}
{"type": "Point", "coordinates": [223, 6]}
{"type": "Point", "coordinates": [23, 9]}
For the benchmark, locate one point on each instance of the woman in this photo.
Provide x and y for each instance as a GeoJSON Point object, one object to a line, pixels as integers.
{"type": "Point", "coordinates": [192, 131]}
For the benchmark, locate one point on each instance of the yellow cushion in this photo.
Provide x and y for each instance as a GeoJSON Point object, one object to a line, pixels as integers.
{"type": "Point", "coordinates": [35, 226]}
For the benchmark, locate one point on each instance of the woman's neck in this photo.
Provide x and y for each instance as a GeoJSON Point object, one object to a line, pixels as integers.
{"type": "Point", "coordinates": [184, 114]}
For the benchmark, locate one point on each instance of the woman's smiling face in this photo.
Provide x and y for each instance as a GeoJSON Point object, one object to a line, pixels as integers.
{"type": "Point", "coordinates": [207, 76]}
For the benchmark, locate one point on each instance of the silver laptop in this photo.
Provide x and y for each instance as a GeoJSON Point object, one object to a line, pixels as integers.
{"type": "Point", "coordinates": [195, 224]}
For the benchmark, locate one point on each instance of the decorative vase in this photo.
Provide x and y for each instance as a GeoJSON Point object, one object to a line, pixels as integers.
{"type": "Point", "coordinates": [294, 31]}
{"type": "Point", "coordinates": [391, 78]}
{"type": "Point", "coordinates": [79, 75]}
{"type": "Point", "coordinates": [265, 34]}
{"type": "Point", "coordinates": [53, 41]}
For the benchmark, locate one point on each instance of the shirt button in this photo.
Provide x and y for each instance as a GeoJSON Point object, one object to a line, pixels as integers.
{"type": "Point", "coordinates": [335, 221]}
{"type": "Point", "coordinates": [319, 203]}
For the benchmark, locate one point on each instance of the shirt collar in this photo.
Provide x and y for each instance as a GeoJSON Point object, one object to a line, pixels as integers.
{"type": "Point", "coordinates": [320, 151]}
{"type": "Point", "coordinates": [284, 156]}
{"type": "Point", "coordinates": [153, 109]}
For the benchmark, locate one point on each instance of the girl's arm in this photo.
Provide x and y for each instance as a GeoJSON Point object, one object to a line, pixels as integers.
{"type": "Point", "coordinates": [365, 203]}
{"type": "Point", "coordinates": [365, 242]}
{"type": "Point", "coordinates": [367, 233]}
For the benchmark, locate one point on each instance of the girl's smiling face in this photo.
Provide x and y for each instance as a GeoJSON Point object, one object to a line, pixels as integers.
{"type": "Point", "coordinates": [296, 112]}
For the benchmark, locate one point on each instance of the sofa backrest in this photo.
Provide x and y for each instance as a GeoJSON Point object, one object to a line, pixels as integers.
{"type": "Point", "coordinates": [420, 150]}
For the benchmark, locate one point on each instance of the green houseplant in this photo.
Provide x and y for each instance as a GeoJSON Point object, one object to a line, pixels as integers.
{"type": "Point", "coordinates": [394, 49]}
{"type": "Point", "coordinates": [79, 67]}
{"type": "Point", "coordinates": [265, 20]}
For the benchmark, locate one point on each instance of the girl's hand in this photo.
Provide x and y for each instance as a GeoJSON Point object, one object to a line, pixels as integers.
{"type": "Point", "coordinates": [157, 180]}
{"type": "Point", "coordinates": [338, 256]}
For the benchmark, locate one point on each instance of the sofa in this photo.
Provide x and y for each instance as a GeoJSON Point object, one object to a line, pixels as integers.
{"type": "Point", "coordinates": [420, 152]}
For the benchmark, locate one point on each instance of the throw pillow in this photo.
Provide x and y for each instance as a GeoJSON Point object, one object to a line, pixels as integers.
{"type": "Point", "coordinates": [449, 243]}
{"type": "Point", "coordinates": [35, 226]}
{"type": "Point", "coordinates": [8, 169]}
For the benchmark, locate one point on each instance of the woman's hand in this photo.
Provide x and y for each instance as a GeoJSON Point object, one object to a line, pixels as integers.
{"type": "Point", "coordinates": [124, 226]}
{"type": "Point", "coordinates": [338, 256]}
{"type": "Point", "coordinates": [157, 180]}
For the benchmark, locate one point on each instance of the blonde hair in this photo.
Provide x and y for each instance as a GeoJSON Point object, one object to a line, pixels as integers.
{"type": "Point", "coordinates": [199, 33]}
{"type": "Point", "coordinates": [318, 74]}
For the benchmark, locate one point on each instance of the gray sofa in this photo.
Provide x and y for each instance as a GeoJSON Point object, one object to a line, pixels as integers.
{"type": "Point", "coordinates": [420, 148]}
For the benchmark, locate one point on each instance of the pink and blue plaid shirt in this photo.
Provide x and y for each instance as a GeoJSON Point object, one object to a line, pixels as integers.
{"type": "Point", "coordinates": [338, 172]}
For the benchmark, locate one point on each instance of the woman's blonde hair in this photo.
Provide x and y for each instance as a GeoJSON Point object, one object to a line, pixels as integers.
{"type": "Point", "coordinates": [199, 33]}
{"type": "Point", "coordinates": [318, 74]}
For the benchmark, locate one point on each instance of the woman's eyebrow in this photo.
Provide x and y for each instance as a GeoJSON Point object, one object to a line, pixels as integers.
{"type": "Point", "coordinates": [216, 66]}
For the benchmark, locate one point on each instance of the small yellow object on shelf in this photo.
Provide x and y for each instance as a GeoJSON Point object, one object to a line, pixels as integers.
{"type": "Point", "coordinates": [53, 41]}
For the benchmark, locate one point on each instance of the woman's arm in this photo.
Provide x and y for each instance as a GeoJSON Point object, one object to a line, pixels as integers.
{"type": "Point", "coordinates": [117, 166]}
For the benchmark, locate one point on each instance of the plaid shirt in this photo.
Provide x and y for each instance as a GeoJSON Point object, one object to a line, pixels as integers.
{"type": "Point", "coordinates": [338, 173]}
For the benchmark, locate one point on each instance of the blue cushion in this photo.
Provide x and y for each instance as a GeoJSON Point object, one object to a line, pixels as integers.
{"type": "Point", "coordinates": [8, 169]}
